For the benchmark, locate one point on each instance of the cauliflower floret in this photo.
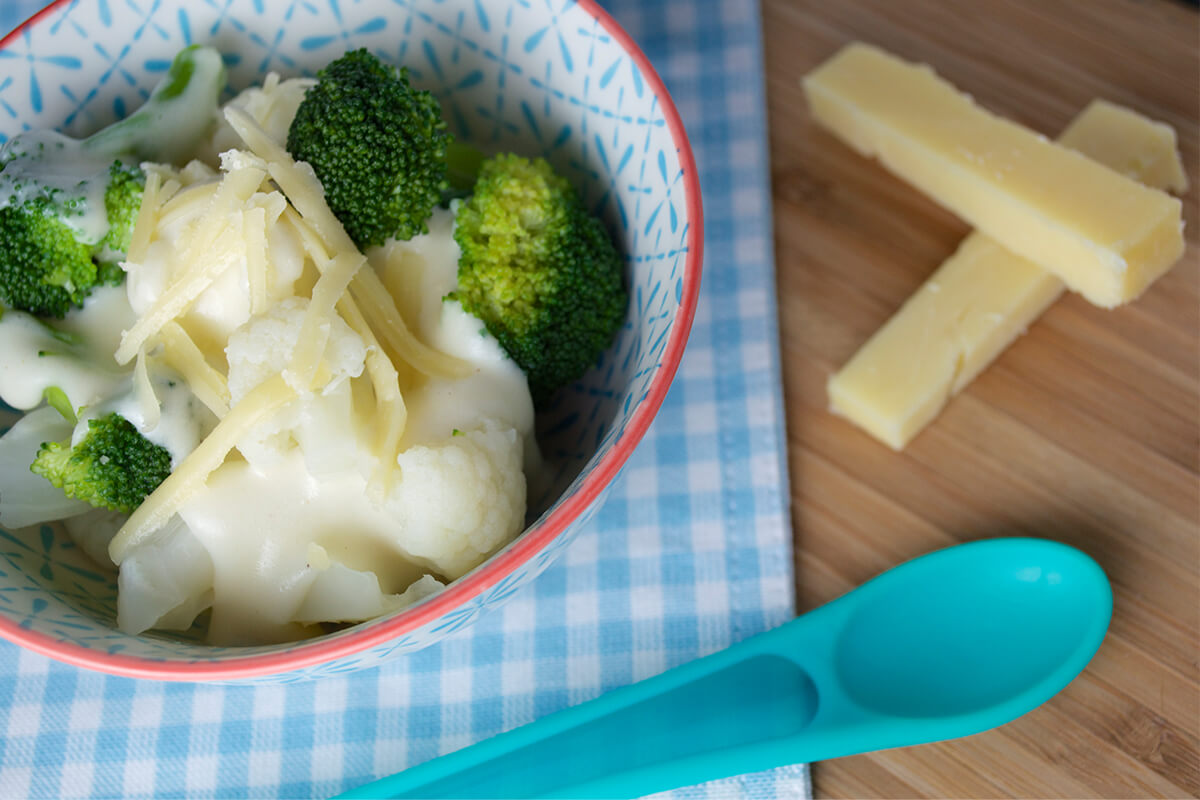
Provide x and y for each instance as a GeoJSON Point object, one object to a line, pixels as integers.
{"type": "Point", "coordinates": [457, 502]}
{"type": "Point", "coordinates": [321, 423]}
{"type": "Point", "coordinates": [262, 348]}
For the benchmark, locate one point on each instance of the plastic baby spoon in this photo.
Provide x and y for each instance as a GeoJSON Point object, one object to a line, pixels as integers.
{"type": "Point", "coordinates": [947, 645]}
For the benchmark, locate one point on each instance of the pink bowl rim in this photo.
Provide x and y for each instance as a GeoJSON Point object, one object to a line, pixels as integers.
{"type": "Point", "coordinates": [498, 567]}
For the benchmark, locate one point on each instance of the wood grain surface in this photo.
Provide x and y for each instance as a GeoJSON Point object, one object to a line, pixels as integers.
{"type": "Point", "coordinates": [1087, 430]}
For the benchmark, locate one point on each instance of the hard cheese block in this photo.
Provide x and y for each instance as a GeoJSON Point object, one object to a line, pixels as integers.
{"type": "Point", "coordinates": [1127, 142]}
{"type": "Point", "coordinates": [982, 297]}
{"type": "Point", "coordinates": [1103, 234]}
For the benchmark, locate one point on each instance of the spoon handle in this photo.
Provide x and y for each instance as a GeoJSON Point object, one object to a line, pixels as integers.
{"type": "Point", "coordinates": [947, 645]}
{"type": "Point", "coordinates": [732, 712]}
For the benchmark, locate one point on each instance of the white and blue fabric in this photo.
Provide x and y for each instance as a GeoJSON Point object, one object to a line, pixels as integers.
{"type": "Point", "coordinates": [689, 552]}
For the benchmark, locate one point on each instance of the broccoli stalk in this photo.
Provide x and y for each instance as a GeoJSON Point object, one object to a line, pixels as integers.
{"type": "Point", "coordinates": [57, 399]}
{"type": "Point", "coordinates": [539, 271]}
{"type": "Point", "coordinates": [377, 145]}
{"type": "Point", "coordinates": [176, 117]}
{"type": "Point", "coordinates": [53, 251]}
{"type": "Point", "coordinates": [113, 466]}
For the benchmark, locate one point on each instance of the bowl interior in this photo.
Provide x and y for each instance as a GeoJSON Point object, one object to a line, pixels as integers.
{"type": "Point", "coordinates": [540, 79]}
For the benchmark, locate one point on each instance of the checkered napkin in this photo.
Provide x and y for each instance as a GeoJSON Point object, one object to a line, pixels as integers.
{"type": "Point", "coordinates": [689, 554]}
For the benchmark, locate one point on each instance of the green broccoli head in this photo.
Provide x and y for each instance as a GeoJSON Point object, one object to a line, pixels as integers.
{"type": "Point", "coordinates": [122, 202]}
{"type": "Point", "coordinates": [539, 271]}
{"type": "Point", "coordinates": [113, 467]}
{"type": "Point", "coordinates": [377, 145]}
{"type": "Point", "coordinates": [44, 269]}
{"type": "Point", "coordinates": [47, 264]}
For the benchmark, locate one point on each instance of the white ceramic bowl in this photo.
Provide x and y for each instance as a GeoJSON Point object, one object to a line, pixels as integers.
{"type": "Point", "coordinates": [555, 79]}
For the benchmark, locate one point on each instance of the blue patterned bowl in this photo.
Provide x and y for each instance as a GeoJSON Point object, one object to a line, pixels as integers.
{"type": "Point", "coordinates": [550, 77]}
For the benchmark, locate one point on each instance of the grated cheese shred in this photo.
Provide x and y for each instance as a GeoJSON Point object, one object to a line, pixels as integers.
{"type": "Point", "coordinates": [391, 414]}
{"type": "Point", "coordinates": [379, 307]}
{"type": "Point", "coordinates": [143, 226]}
{"type": "Point", "coordinates": [256, 259]}
{"type": "Point", "coordinates": [184, 202]}
{"type": "Point", "coordinates": [182, 355]}
{"type": "Point", "coordinates": [314, 331]}
{"type": "Point", "coordinates": [143, 392]}
{"type": "Point", "coordinates": [309, 240]}
{"type": "Point", "coordinates": [232, 193]}
{"type": "Point", "coordinates": [295, 178]}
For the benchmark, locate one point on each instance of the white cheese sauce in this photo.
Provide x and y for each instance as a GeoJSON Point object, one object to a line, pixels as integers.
{"type": "Point", "coordinates": [273, 530]}
{"type": "Point", "coordinates": [419, 273]}
{"type": "Point", "coordinates": [33, 358]}
{"type": "Point", "coordinates": [76, 355]}
{"type": "Point", "coordinates": [48, 164]}
{"type": "Point", "coordinates": [106, 313]}
{"type": "Point", "coordinates": [182, 420]}
{"type": "Point", "coordinates": [259, 528]}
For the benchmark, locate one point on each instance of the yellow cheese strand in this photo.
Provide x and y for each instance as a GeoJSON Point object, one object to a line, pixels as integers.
{"type": "Point", "coordinates": [314, 330]}
{"type": "Point", "coordinates": [182, 355]}
{"type": "Point", "coordinates": [256, 259]}
{"type": "Point", "coordinates": [143, 392]}
{"type": "Point", "coordinates": [309, 240]}
{"type": "Point", "coordinates": [143, 226]}
{"type": "Point", "coordinates": [185, 201]}
{"type": "Point", "coordinates": [379, 307]}
{"type": "Point", "coordinates": [391, 415]}
{"type": "Point", "coordinates": [296, 179]}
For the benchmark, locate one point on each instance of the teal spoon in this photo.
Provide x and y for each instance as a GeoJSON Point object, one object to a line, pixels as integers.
{"type": "Point", "coordinates": [950, 644]}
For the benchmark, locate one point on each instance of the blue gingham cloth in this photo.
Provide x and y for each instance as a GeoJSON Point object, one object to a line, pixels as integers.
{"type": "Point", "coordinates": [690, 553]}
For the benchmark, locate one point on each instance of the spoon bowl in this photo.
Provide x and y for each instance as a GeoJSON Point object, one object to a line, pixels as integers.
{"type": "Point", "coordinates": [1015, 619]}
{"type": "Point", "coordinates": [947, 645]}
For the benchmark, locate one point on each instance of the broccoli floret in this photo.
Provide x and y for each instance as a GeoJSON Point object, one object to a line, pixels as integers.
{"type": "Point", "coordinates": [539, 271]}
{"type": "Point", "coordinates": [113, 467]}
{"type": "Point", "coordinates": [47, 264]}
{"type": "Point", "coordinates": [51, 251]}
{"type": "Point", "coordinates": [122, 201]}
{"type": "Point", "coordinates": [377, 145]}
{"type": "Point", "coordinates": [44, 269]}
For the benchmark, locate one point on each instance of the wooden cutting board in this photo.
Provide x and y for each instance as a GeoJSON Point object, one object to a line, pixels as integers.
{"type": "Point", "coordinates": [1085, 431]}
